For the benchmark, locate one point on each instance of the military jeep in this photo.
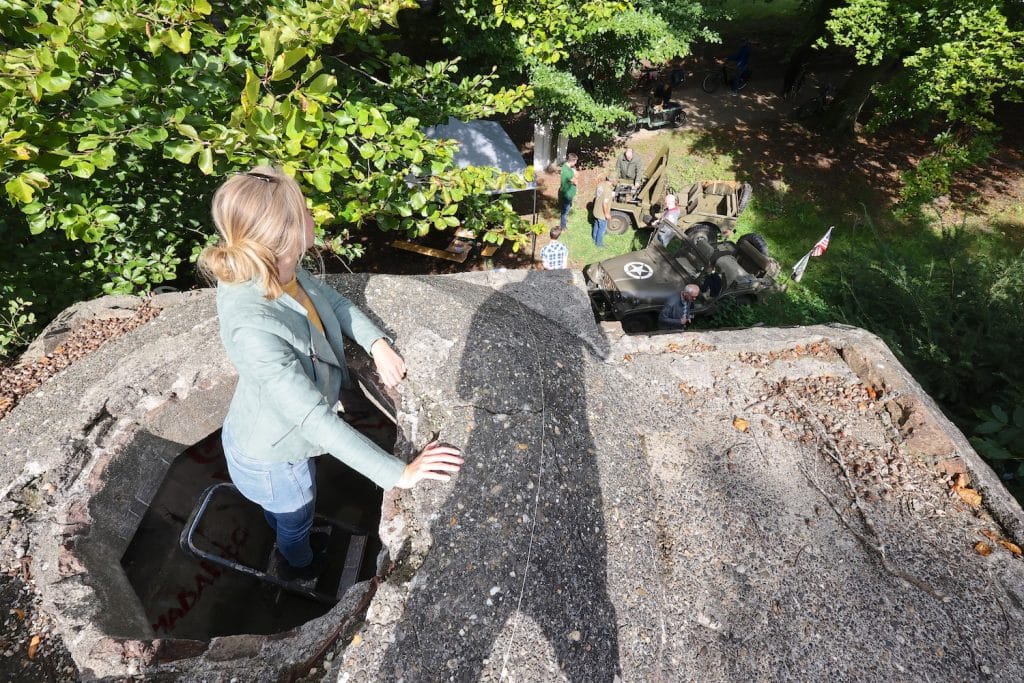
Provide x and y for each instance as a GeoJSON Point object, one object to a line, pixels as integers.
{"type": "Point", "coordinates": [632, 288]}
{"type": "Point", "coordinates": [718, 202]}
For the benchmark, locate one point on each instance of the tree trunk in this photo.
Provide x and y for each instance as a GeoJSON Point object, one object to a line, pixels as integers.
{"type": "Point", "coordinates": [561, 148]}
{"type": "Point", "coordinates": [850, 98]}
{"type": "Point", "coordinates": [542, 157]}
{"type": "Point", "coordinates": [803, 51]}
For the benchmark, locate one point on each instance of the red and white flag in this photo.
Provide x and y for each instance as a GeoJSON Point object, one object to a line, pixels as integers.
{"type": "Point", "coordinates": [817, 250]}
{"type": "Point", "coordinates": [822, 244]}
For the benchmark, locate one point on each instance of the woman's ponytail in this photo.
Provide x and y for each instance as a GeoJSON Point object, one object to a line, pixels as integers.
{"type": "Point", "coordinates": [242, 261]}
{"type": "Point", "coordinates": [260, 216]}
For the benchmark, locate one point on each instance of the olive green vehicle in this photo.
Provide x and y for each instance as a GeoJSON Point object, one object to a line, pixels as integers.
{"type": "Point", "coordinates": [718, 202]}
{"type": "Point", "coordinates": [632, 288]}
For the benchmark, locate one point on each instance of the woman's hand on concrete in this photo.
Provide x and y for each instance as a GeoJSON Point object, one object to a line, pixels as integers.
{"type": "Point", "coordinates": [435, 461]}
{"type": "Point", "coordinates": [390, 365]}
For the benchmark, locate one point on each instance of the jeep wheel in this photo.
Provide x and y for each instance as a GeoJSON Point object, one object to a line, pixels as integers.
{"type": "Point", "coordinates": [746, 262]}
{"type": "Point", "coordinates": [619, 223]}
{"type": "Point", "coordinates": [703, 231]}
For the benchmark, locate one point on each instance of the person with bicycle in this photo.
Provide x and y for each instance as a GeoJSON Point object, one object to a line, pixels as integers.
{"type": "Point", "coordinates": [742, 59]}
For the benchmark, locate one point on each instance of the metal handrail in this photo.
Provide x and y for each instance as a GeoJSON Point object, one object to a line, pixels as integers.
{"type": "Point", "coordinates": [188, 546]}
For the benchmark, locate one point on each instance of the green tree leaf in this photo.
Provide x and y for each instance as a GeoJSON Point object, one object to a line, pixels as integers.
{"type": "Point", "coordinates": [182, 151]}
{"type": "Point", "coordinates": [322, 84]}
{"type": "Point", "coordinates": [284, 61]}
{"type": "Point", "coordinates": [251, 91]}
{"type": "Point", "coordinates": [990, 427]}
{"type": "Point", "coordinates": [322, 179]}
{"type": "Point", "coordinates": [53, 82]}
{"type": "Point", "coordinates": [19, 190]}
{"type": "Point", "coordinates": [206, 161]}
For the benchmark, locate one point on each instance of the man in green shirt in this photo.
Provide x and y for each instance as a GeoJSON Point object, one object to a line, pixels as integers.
{"type": "Point", "coordinates": [567, 188]}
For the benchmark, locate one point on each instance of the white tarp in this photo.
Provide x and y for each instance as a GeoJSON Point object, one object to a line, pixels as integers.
{"type": "Point", "coordinates": [481, 144]}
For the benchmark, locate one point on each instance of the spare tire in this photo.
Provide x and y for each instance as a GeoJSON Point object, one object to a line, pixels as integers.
{"type": "Point", "coordinates": [743, 197]}
{"type": "Point", "coordinates": [703, 231]}
{"type": "Point", "coordinates": [746, 262]}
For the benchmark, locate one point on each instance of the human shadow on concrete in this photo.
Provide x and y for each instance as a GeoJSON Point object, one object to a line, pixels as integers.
{"type": "Point", "coordinates": [522, 536]}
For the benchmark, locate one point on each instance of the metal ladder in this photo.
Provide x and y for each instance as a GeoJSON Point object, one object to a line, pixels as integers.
{"type": "Point", "coordinates": [271, 574]}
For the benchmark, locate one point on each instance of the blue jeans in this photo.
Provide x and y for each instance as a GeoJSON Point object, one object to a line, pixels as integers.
{"type": "Point", "coordinates": [566, 205]}
{"type": "Point", "coordinates": [600, 226]}
{"type": "Point", "coordinates": [287, 493]}
{"type": "Point", "coordinates": [741, 69]}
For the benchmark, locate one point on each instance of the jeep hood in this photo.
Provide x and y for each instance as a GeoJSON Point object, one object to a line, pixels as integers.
{"type": "Point", "coordinates": [644, 275]}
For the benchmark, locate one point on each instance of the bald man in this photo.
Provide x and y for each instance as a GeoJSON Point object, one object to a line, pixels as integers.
{"type": "Point", "coordinates": [678, 310]}
{"type": "Point", "coordinates": [629, 168]}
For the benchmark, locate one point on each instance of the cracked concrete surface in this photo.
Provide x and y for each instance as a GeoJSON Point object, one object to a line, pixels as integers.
{"type": "Point", "coordinates": [766, 503]}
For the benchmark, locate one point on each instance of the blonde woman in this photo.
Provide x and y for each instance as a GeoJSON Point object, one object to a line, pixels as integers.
{"type": "Point", "coordinates": [282, 330]}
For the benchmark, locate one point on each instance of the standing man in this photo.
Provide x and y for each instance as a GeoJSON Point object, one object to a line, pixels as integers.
{"type": "Point", "coordinates": [602, 209]}
{"type": "Point", "coordinates": [567, 189]}
{"type": "Point", "coordinates": [629, 168]}
{"type": "Point", "coordinates": [554, 254]}
{"type": "Point", "coordinates": [678, 310]}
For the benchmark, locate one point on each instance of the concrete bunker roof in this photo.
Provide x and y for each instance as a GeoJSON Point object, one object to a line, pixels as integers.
{"type": "Point", "coordinates": [754, 503]}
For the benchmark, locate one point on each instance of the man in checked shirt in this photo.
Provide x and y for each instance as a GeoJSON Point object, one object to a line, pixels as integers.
{"type": "Point", "coordinates": [554, 254]}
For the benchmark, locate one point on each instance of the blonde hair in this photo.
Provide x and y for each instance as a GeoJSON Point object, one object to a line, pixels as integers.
{"type": "Point", "coordinates": [260, 216]}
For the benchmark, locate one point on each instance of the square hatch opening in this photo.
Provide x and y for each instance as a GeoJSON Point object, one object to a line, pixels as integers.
{"type": "Point", "coordinates": [186, 597]}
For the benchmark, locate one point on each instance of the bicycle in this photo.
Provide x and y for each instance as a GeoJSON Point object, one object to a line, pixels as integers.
{"type": "Point", "coordinates": [818, 104]}
{"type": "Point", "coordinates": [724, 74]}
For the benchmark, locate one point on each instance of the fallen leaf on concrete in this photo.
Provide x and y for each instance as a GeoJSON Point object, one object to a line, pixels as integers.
{"type": "Point", "coordinates": [969, 496]}
{"type": "Point", "coordinates": [740, 424]}
{"type": "Point", "coordinates": [33, 645]}
{"type": "Point", "coordinates": [982, 548]}
{"type": "Point", "coordinates": [1012, 547]}
{"type": "Point", "coordinates": [961, 480]}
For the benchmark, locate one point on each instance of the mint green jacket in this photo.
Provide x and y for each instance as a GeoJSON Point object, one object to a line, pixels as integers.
{"type": "Point", "coordinates": [290, 375]}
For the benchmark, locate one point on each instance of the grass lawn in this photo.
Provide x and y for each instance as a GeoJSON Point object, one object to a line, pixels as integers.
{"type": "Point", "coordinates": [582, 249]}
{"type": "Point", "coordinates": [758, 14]}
